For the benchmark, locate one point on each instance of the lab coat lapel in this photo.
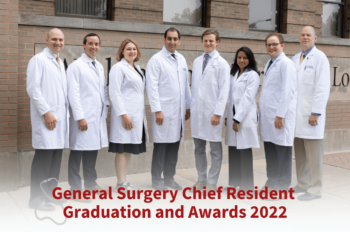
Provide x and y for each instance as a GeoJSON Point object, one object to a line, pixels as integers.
{"type": "Point", "coordinates": [306, 60]}
{"type": "Point", "coordinates": [212, 61]}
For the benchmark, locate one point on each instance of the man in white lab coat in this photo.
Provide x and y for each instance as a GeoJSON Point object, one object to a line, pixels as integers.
{"type": "Point", "coordinates": [47, 89]}
{"type": "Point", "coordinates": [277, 105]}
{"type": "Point", "coordinates": [210, 86]}
{"type": "Point", "coordinates": [87, 94]}
{"type": "Point", "coordinates": [170, 98]}
{"type": "Point", "coordinates": [313, 91]}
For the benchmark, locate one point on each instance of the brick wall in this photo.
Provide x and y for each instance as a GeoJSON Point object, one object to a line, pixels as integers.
{"type": "Point", "coordinates": [228, 14]}
{"type": "Point", "coordinates": [301, 13]}
{"type": "Point", "coordinates": [138, 11]}
{"type": "Point", "coordinates": [8, 75]}
{"type": "Point", "coordinates": [37, 7]}
{"type": "Point", "coordinates": [337, 115]}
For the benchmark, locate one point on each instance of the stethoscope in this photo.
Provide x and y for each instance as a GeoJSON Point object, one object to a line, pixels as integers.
{"type": "Point", "coordinates": [35, 211]}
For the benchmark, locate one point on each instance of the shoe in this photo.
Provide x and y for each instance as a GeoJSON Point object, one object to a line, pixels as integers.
{"type": "Point", "coordinates": [211, 187]}
{"type": "Point", "coordinates": [173, 185]}
{"type": "Point", "coordinates": [83, 200]}
{"type": "Point", "coordinates": [199, 185]}
{"type": "Point", "coordinates": [56, 201]}
{"type": "Point", "coordinates": [126, 184]}
{"type": "Point", "coordinates": [297, 189]}
{"type": "Point", "coordinates": [231, 186]}
{"type": "Point", "coordinates": [308, 197]}
{"type": "Point", "coordinates": [42, 206]}
{"type": "Point", "coordinates": [269, 189]}
{"type": "Point", "coordinates": [94, 189]}
{"type": "Point", "coordinates": [159, 186]}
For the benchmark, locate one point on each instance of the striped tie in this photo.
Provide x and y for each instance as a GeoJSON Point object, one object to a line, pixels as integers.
{"type": "Point", "coordinates": [206, 56]}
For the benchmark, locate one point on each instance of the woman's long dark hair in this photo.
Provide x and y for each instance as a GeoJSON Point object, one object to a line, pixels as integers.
{"type": "Point", "coordinates": [252, 63]}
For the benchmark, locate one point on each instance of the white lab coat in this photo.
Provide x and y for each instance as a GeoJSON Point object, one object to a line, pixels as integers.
{"type": "Point", "coordinates": [242, 95]}
{"type": "Point", "coordinates": [168, 91]}
{"type": "Point", "coordinates": [278, 98]}
{"type": "Point", "coordinates": [209, 96]}
{"type": "Point", "coordinates": [313, 93]}
{"type": "Point", "coordinates": [126, 91]}
{"type": "Point", "coordinates": [88, 98]}
{"type": "Point", "coordinates": [47, 89]}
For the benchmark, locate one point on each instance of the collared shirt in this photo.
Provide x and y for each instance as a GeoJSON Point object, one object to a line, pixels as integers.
{"type": "Point", "coordinates": [211, 54]}
{"type": "Point", "coordinates": [307, 52]}
{"type": "Point", "coordinates": [169, 53]}
{"type": "Point", "coordinates": [273, 59]}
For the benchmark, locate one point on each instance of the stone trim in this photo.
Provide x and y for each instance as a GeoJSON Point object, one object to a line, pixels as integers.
{"type": "Point", "coordinates": [69, 22]}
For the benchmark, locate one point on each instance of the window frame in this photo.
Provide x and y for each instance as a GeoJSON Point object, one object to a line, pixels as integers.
{"type": "Point", "coordinates": [278, 20]}
{"type": "Point", "coordinates": [342, 20]}
{"type": "Point", "coordinates": [204, 17]}
{"type": "Point", "coordinates": [108, 13]}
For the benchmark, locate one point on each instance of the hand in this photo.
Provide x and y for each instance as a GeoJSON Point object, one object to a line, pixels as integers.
{"type": "Point", "coordinates": [313, 120]}
{"type": "Point", "coordinates": [83, 125]}
{"type": "Point", "coordinates": [215, 120]}
{"type": "Point", "coordinates": [235, 126]}
{"type": "Point", "coordinates": [127, 122]}
{"type": "Point", "coordinates": [278, 122]}
{"type": "Point", "coordinates": [159, 118]}
{"type": "Point", "coordinates": [50, 121]}
{"type": "Point", "coordinates": [188, 114]}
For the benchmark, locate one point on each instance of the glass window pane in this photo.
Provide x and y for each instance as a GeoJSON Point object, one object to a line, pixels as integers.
{"type": "Point", "coordinates": [262, 15]}
{"type": "Point", "coordinates": [331, 20]}
{"type": "Point", "coordinates": [96, 8]}
{"type": "Point", "coordinates": [183, 12]}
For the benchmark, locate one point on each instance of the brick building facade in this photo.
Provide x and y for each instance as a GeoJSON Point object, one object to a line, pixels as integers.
{"type": "Point", "coordinates": [24, 24]}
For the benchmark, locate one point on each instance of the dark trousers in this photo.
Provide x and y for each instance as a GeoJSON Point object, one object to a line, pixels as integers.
{"type": "Point", "coordinates": [278, 166]}
{"type": "Point", "coordinates": [240, 168]}
{"type": "Point", "coordinates": [89, 171]}
{"type": "Point", "coordinates": [46, 164]}
{"type": "Point", "coordinates": [164, 161]}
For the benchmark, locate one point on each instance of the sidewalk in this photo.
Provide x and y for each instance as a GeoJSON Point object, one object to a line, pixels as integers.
{"type": "Point", "coordinates": [331, 213]}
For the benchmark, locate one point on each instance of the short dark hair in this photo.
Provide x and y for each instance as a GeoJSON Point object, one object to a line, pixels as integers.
{"type": "Point", "coordinates": [252, 63]}
{"type": "Point", "coordinates": [89, 35]}
{"type": "Point", "coordinates": [171, 29]}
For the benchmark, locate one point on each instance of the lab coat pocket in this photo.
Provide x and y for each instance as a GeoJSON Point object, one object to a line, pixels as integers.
{"type": "Point", "coordinates": [270, 111]}
{"type": "Point", "coordinates": [134, 130]}
{"type": "Point", "coordinates": [131, 108]}
{"type": "Point", "coordinates": [209, 109]}
{"type": "Point", "coordinates": [56, 112]}
{"type": "Point", "coordinates": [167, 109]}
{"type": "Point", "coordinates": [89, 113]}
{"type": "Point", "coordinates": [308, 79]}
{"type": "Point", "coordinates": [307, 106]}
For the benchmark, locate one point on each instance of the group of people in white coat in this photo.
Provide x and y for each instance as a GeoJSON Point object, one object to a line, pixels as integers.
{"type": "Point", "coordinates": [292, 104]}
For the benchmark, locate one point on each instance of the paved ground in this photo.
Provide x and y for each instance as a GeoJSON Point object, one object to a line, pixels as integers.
{"type": "Point", "coordinates": [340, 159]}
{"type": "Point", "coordinates": [331, 213]}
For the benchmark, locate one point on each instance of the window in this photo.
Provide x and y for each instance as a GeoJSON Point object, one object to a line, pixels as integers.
{"type": "Point", "coordinates": [79, 8]}
{"type": "Point", "coordinates": [183, 12]}
{"type": "Point", "coordinates": [264, 15]}
{"type": "Point", "coordinates": [332, 18]}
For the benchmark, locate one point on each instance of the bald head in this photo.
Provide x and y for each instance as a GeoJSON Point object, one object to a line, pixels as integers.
{"type": "Point", "coordinates": [307, 37]}
{"type": "Point", "coordinates": [55, 40]}
{"type": "Point", "coordinates": [54, 31]}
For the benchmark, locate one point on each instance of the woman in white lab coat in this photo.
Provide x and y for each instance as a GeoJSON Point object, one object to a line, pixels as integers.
{"type": "Point", "coordinates": [242, 119]}
{"type": "Point", "coordinates": [128, 131]}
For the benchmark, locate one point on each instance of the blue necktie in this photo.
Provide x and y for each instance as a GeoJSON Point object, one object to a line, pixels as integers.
{"type": "Point", "coordinates": [206, 56]}
{"type": "Point", "coordinates": [93, 62]}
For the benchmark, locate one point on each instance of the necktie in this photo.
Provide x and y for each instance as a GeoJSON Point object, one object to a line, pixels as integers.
{"type": "Point", "coordinates": [302, 58]}
{"type": "Point", "coordinates": [269, 65]}
{"type": "Point", "coordinates": [93, 62]}
{"type": "Point", "coordinates": [206, 56]}
{"type": "Point", "coordinates": [173, 55]}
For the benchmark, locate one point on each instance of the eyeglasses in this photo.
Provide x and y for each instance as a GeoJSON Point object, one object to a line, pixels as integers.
{"type": "Point", "coordinates": [272, 45]}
